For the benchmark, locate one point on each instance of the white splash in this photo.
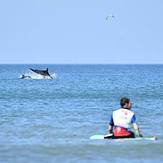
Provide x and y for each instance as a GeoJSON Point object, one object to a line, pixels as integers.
{"type": "Point", "coordinates": [32, 75]}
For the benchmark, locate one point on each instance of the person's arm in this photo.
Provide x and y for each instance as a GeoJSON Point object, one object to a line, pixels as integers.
{"type": "Point", "coordinates": [110, 126]}
{"type": "Point", "coordinates": [110, 129]}
{"type": "Point", "coordinates": [136, 130]}
{"type": "Point", "coordinates": [136, 127]}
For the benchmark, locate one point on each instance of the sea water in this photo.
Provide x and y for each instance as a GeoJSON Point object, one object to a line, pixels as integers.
{"type": "Point", "coordinates": [47, 121]}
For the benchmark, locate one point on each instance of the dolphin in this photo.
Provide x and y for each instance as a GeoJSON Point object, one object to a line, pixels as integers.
{"type": "Point", "coordinates": [25, 77]}
{"type": "Point", "coordinates": [41, 72]}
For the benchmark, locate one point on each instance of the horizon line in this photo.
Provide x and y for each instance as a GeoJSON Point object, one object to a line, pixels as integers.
{"type": "Point", "coordinates": [81, 63]}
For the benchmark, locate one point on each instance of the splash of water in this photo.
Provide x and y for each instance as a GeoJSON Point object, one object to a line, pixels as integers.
{"type": "Point", "coordinates": [32, 75]}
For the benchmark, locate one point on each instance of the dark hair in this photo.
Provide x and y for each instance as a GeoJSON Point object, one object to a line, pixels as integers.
{"type": "Point", "coordinates": [124, 101]}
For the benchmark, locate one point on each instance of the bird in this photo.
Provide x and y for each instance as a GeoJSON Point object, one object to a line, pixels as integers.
{"type": "Point", "coordinates": [110, 16]}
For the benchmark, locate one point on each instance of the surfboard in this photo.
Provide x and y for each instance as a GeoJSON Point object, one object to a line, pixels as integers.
{"type": "Point", "coordinates": [109, 136]}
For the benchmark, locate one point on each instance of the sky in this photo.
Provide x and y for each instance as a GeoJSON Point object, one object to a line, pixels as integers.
{"type": "Point", "coordinates": [81, 32]}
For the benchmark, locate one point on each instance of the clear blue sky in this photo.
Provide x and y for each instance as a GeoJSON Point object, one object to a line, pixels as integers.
{"type": "Point", "coordinates": [76, 31]}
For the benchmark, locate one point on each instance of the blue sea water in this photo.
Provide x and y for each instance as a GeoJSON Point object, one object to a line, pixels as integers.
{"type": "Point", "coordinates": [51, 120]}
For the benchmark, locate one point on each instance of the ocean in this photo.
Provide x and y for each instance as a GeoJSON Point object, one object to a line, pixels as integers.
{"type": "Point", "coordinates": [47, 121]}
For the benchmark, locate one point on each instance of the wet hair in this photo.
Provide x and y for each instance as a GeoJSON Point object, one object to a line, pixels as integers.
{"type": "Point", "coordinates": [124, 101]}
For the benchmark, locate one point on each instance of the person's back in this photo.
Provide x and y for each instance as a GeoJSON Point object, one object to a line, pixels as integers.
{"type": "Point", "coordinates": [122, 119]}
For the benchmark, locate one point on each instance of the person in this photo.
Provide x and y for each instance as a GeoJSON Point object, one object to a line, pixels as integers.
{"type": "Point", "coordinates": [121, 119]}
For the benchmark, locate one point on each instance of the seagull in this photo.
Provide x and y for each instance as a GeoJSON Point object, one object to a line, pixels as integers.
{"type": "Point", "coordinates": [110, 17]}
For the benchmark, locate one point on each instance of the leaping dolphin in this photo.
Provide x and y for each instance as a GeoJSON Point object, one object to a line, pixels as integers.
{"type": "Point", "coordinates": [41, 72]}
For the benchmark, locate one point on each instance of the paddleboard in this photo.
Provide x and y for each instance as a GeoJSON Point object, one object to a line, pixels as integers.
{"type": "Point", "coordinates": [110, 136]}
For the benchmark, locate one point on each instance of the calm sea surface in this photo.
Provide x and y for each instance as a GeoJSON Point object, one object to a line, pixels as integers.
{"type": "Point", "coordinates": [47, 121]}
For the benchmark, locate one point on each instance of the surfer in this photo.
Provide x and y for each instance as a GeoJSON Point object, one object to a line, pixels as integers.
{"type": "Point", "coordinates": [121, 119]}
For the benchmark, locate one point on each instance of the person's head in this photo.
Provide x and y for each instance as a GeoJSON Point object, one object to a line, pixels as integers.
{"type": "Point", "coordinates": [125, 103]}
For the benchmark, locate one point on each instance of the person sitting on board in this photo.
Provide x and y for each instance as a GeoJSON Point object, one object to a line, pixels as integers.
{"type": "Point", "coordinates": [121, 120]}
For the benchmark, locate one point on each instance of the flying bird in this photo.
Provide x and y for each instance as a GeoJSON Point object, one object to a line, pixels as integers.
{"type": "Point", "coordinates": [110, 17]}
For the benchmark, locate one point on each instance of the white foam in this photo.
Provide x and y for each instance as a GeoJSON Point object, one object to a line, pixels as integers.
{"type": "Point", "coordinates": [54, 76]}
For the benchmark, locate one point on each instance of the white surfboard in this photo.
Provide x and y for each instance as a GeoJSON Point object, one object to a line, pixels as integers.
{"type": "Point", "coordinates": [109, 136]}
{"type": "Point", "coordinates": [96, 137]}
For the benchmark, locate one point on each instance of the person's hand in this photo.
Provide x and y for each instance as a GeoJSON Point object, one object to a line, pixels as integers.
{"type": "Point", "coordinates": [137, 133]}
